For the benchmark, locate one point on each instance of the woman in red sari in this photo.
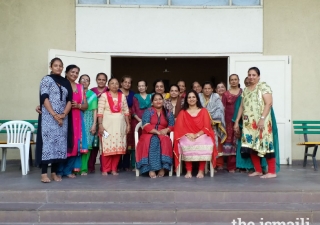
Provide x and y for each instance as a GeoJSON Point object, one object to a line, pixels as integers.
{"type": "Point", "coordinates": [229, 99]}
{"type": "Point", "coordinates": [194, 137]}
{"type": "Point", "coordinates": [154, 149]}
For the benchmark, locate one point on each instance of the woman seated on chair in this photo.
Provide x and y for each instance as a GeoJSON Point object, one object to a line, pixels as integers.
{"type": "Point", "coordinates": [154, 149]}
{"type": "Point", "coordinates": [194, 137]}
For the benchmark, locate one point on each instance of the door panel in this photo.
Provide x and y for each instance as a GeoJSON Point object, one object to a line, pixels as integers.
{"type": "Point", "coordinates": [276, 71]}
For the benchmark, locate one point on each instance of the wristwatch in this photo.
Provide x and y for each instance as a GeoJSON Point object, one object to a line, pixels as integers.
{"type": "Point", "coordinates": [262, 117]}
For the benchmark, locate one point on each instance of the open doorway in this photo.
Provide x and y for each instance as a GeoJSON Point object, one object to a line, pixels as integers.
{"type": "Point", "coordinates": [170, 69]}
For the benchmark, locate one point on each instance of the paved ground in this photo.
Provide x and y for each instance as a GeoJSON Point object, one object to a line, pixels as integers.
{"type": "Point", "coordinates": [290, 178]}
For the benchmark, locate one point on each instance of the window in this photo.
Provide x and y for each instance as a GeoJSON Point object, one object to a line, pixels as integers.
{"type": "Point", "coordinates": [175, 2]}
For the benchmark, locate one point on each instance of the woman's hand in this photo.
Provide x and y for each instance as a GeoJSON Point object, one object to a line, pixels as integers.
{"type": "Point", "coordinates": [236, 126]}
{"type": "Point", "coordinates": [74, 104]}
{"type": "Point", "coordinates": [191, 137]}
{"type": "Point", "coordinates": [128, 129]}
{"type": "Point", "coordinates": [38, 109]}
{"type": "Point", "coordinates": [163, 131]}
{"type": "Point", "coordinates": [58, 119]}
{"type": "Point", "coordinates": [261, 124]}
{"type": "Point", "coordinates": [93, 129]}
{"type": "Point", "coordinates": [101, 129]}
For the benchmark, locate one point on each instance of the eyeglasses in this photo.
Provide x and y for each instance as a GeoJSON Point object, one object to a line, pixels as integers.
{"type": "Point", "coordinates": [84, 80]}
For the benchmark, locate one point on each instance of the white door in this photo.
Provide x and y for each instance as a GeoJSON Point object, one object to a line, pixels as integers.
{"type": "Point", "coordinates": [276, 71]}
{"type": "Point", "coordinates": [89, 63]}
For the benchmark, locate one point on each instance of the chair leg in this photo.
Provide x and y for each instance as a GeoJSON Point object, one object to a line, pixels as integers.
{"type": "Point", "coordinates": [137, 172]}
{"type": "Point", "coordinates": [22, 156]}
{"type": "Point", "coordinates": [305, 156]}
{"type": "Point", "coordinates": [211, 170]}
{"type": "Point", "coordinates": [4, 159]}
{"type": "Point", "coordinates": [178, 172]}
{"type": "Point", "coordinates": [171, 171]}
{"type": "Point", "coordinates": [26, 155]}
{"type": "Point", "coordinates": [314, 158]}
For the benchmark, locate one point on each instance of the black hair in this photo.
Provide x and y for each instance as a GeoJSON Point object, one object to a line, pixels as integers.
{"type": "Point", "coordinates": [112, 78]}
{"type": "Point", "coordinates": [72, 66]}
{"type": "Point", "coordinates": [174, 85]}
{"type": "Point", "coordinates": [163, 108]}
{"type": "Point", "coordinates": [206, 83]}
{"type": "Point", "coordinates": [146, 83]}
{"type": "Point", "coordinates": [234, 75]}
{"type": "Point", "coordinates": [186, 104]}
{"type": "Point", "coordinates": [155, 82]}
{"type": "Point", "coordinates": [105, 75]}
{"type": "Point", "coordinates": [193, 84]}
{"type": "Point", "coordinates": [255, 69]}
{"type": "Point", "coordinates": [124, 77]}
{"type": "Point", "coordinates": [55, 59]}
{"type": "Point", "coordinates": [84, 75]}
{"type": "Point", "coordinates": [222, 83]}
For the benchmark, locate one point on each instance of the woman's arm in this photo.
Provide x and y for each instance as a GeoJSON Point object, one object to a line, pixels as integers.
{"type": "Point", "coordinates": [135, 108]}
{"type": "Point", "coordinates": [101, 107]}
{"type": "Point", "coordinates": [267, 98]}
{"type": "Point", "coordinates": [94, 125]}
{"type": "Point", "coordinates": [236, 123]}
{"type": "Point", "coordinates": [84, 105]}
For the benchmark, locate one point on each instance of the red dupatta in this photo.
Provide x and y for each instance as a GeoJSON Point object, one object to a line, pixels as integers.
{"type": "Point", "coordinates": [115, 108]}
{"type": "Point", "coordinates": [186, 123]}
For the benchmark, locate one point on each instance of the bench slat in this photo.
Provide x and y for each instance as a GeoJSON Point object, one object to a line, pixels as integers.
{"type": "Point", "coordinates": [309, 143]}
{"type": "Point", "coordinates": [306, 127]}
{"type": "Point", "coordinates": [305, 122]}
{"type": "Point", "coordinates": [306, 132]}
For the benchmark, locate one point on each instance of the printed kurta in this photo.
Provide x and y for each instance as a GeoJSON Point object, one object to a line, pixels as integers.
{"type": "Point", "coordinates": [114, 124]}
{"type": "Point", "coordinates": [253, 106]}
{"type": "Point", "coordinates": [154, 152]}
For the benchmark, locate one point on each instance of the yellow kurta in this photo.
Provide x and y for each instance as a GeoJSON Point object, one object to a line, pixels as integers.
{"type": "Point", "coordinates": [253, 106]}
{"type": "Point", "coordinates": [115, 125]}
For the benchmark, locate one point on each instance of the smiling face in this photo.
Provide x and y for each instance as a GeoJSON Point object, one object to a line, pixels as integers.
{"type": "Point", "coordinates": [192, 99]}
{"type": "Point", "coordinates": [157, 101]}
{"type": "Point", "coordinates": [85, 81]}
{"type": "Point", "coordinates": [101, 81]}
{"type": "Point", "coordinates": [159, 87]}
{"type": "Point", "coordinates": [126, 84]}
{"type": "Point", "coordinates": [113, 85]}
{"type": "Point", "coordinates": [73, 74]}
{"type": "Point", "coordinates": [174, 92]}
{"type": "Point", "coordinates": [207, 90]}
{"type": "Point", "coordinates": [56, 67]}
{"type": "Point", "coordinates": [253, 77]}
{"type": "Point", "coordinates": [182, 86]}
{"type": "Point", "coordinates": [142, 88]}
{"type": "Point", "coordinates": [197, 87]}
{"type": "Point", "coordinates": [234, 81]}
{"type": "Point", "coordinates": [221, 89]}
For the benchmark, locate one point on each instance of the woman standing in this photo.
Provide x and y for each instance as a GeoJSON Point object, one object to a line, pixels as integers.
{"type": "Point", "coordinates": [141, 102]}
{"type": "Point", "coordinates": [196, 86]}
{"type": "Point", "coordinates": [114, 125]}
{"type": "Point", "coordinates": [90, 120]}
{"type": "Point", "coordinates": [125, 89]}
{"type": "Point", "coordinates": [221, 88]}
{"type": "Point", "coordinates": [228, 99]}
{"type": "Point", "coordinates": [54, 126]}
{"type": "Point", "coordinates": [174, 104]}
{"type": "Point", "coordinates": [182, 86]}
{"type": "Point", "coordinates": [259, 123]}
{"type": "Point", "coordinates": [80, 146]}
{"type": "Point", "coordinates": [154, 149]}
{"type": "Point", "coordinates": [194, 135]}
{"type": "Point", "coordinates": [101, 80]}
{"type": "Point", "coordinates": [212, 102]}
{"type": "Point", "coordinates": [160, 88]}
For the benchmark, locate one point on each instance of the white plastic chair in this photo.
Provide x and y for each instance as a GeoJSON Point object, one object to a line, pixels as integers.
{"type": "Point", "coordinates": [136, 139]}
{"type": "Point", "coordinates": [179, 169]}
{"type": "Point", "coordinates": [18, 136]}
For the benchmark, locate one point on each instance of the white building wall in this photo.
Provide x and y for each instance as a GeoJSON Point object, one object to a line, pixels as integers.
{"type": "Point", "coordinates": [169, 30]}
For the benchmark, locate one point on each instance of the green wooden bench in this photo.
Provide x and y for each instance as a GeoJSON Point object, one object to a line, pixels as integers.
{"type": "Point", "coordinates": [33, 136]}
{"type": "Point", "coordinates": [305, 128]}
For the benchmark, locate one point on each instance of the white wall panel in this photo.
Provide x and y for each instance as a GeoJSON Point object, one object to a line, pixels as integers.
{"type": "Point", "coordinates": [169, 30]}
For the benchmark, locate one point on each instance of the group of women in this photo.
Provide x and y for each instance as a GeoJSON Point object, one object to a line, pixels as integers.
{"type": "Point", "coordinates": [233, 126]}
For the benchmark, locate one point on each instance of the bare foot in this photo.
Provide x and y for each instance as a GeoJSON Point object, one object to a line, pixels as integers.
{"type": "Point", "coordinates": [104, 173]}
{"type": "Point", "coordinates": [188, 174]}
{"type": "Point", "coordinates": [152, 174]}
{"type": "Point", "coordinates": [232, 171]}
{"type": "Point", "coordinates": [255, 174]}
{"type": "Point", "coordinates": [45, 178]}
{"type": "Point", "coordinates": [84, 174]}
{"type": "Point", "coordinates": [269, 175]}
{"type": "Point", "coordinates": [161, 173]}
{"type": "Point", "coordinates": [134, 170]}
{"type": "Point", "coordinates": [114, 173]}
{"type": "Point", "coordinates": [200, 174]}
{"type": "Point", "coordinates": [55, 177]}
{"type": "Point", "coordinates": [219, 168]}
{"type": "Point", "coordinates": [127, 169]}
{"type": "Point", "coordinates": [71, 176]}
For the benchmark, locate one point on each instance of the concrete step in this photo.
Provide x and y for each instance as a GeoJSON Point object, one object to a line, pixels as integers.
{"type": "Point", "coordinates": [156, 212]}
{"type": "Point", "coordinates": [150, 196]}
